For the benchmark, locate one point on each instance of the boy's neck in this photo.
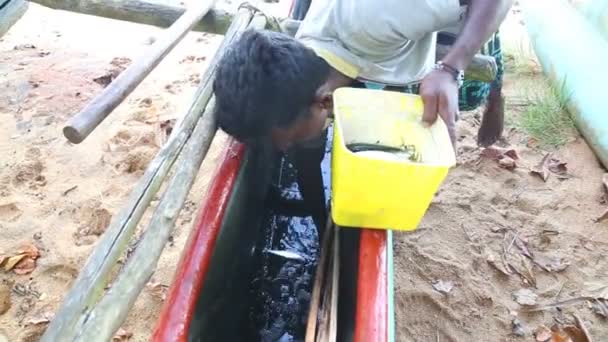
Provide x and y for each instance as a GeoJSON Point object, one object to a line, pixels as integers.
{"type": "Point", "coordinates": [336, 80]}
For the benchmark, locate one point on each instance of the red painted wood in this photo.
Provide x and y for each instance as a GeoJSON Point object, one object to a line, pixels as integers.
{"type": "Point", "coordinates": [178, 309]}
{"type": "Point", "coordinates": [371, 318]}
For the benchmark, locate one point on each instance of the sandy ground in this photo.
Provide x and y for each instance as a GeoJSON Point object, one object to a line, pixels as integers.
{"type": "Point", "coordinates": [59, 197]}
{"type": "Point", "coordinates": [492, 232]}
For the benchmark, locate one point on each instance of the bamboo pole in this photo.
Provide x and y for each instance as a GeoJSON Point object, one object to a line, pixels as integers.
{"type": "Point", "coordinates": [108, 315]}
{"type": "Point", "coordinates": [83, 123]}
{"type": "Point", "coordinates": [142, 12]}
{"type": "Point", "coordinates": [94, 277]}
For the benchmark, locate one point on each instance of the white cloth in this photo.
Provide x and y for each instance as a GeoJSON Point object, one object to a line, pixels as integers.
{"type": "Point", "coordinates": [385, 41]}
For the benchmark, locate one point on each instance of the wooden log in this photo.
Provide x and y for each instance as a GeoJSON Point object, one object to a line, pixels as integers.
{"type": "Point", "coordinates": [10, 12]}
{"type": "Point", "coordinates": [142, 12]}
{"type": "Point", "coordinates": [83, 123]}
{"type": "Point", "coordinates": [90, 284]}
{"type": "Point", "coordinates": [482, 68]}
{"type": "Point", "coordinates": [109, 314]}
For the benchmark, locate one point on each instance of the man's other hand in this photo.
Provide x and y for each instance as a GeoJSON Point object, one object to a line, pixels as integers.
{"type": "Point", "coordinates": [439, 92]}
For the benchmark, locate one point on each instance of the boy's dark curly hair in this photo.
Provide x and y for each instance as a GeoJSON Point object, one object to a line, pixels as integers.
{"type": "Point", "coordinates": [264, 80]}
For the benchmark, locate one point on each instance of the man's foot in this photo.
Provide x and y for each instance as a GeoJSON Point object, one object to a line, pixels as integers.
{"type": "Point", "coordinates": [492, 123]}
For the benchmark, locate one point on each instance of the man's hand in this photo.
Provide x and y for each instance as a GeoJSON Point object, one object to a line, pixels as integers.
{"type": "Point", "coordinates": [439, 92]}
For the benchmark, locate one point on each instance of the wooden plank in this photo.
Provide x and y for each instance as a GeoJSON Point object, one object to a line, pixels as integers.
{"type": "Point", "coordinates": [90, 284]}
{"type": "Point", "coordinates": [315, 298]}
{"type": "Point", "coordinates": [143, 12]}
{"type": "Point", "coordinates": [83, 123]}
{"type": "Point", "coordinates": [10, 12]}
{"type": "Point", "coordinates": [333, 310]}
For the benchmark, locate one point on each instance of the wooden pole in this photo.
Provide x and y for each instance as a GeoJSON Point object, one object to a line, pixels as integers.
{"type": "Point", "coordinates": [83, 123]}
{"type": "Point", "coordinates": [10, 12]}
{"type": "Point", "coordinates": [142, 12]}
{"type": "Point", "coordinates": [107, 316]}
{"type": "Point", "coordinates": [90, 284]}
{"type": "Point", "coordinates": [482, 68]}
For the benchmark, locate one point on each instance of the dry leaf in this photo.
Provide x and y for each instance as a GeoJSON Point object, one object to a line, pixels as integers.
{"type": "Point", "coordinates": [158, 290]}
{"type": "Point", "coordinates": [550, 264]}
{"type": "Point", "coordinates": [491, 259]}
{"type": "Point", "coordinates": [30, 250]}
{"type": "Point", "coordinates": [568, 333]}
{"type": "Point", "coordinates": [12, 261]}
{"type": "Point", "coordinates": [542, 170]}
{"type": "Point", "coordinates": [600, 307]}
{"type": "Point", "coordinates": [525, 297]}
{"type": "Point", "coordinates": [443, 286]}
{"type": "Point", "coordinates": [505, 157]}
{"type": "Point", "coordinates": [45, 317]}
{"type": "Point", "coordinates": [26, 266]}
{"type": "Point", "coordinates": [122, 335]}
{"type": "Point", "coordinates": [3, 259]}
{"type": "Point", "coordinates": [543, 334]}
{"type": "Point", "coordinates": [507, 163]}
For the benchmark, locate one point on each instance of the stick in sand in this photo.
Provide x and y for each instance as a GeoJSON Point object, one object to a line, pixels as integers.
{"type": "Point", "coordinates": [83, 123]}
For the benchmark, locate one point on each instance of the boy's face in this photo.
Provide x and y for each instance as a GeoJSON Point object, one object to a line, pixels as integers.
{"type": "Point", "coordinates": [306, 127]}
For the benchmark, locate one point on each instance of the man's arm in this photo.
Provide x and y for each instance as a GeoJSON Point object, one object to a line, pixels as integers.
{"type": "Point", "coordinates": [483, 19]}
{"type": "Point", "coordinates": [439, 89]}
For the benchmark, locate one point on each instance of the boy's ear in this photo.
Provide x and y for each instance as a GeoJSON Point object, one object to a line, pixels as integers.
{"type": "Point", "coordinates": [325, 100]}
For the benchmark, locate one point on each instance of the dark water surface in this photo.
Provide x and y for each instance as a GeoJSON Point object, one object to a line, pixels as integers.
{"type": "Point", "coordinates": [281, 286]}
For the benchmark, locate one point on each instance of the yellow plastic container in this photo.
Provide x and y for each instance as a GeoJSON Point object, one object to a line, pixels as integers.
{"type": "Point", "coordinates": [371, 191]}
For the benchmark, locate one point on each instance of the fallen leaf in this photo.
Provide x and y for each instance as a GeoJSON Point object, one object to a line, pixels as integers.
{"type": "Point", "coordinates": [158, 290]}
{"type": "Point", "coordinates": [507, 163]}
{"type": "Point", "coordinates": [494, 152]}
{"type": "Point", "coordinates": [26, 266]}
{"type": "Point", "coordinates": [568, 333]}
{"type": "Point", "coordinates": [525, 297]}
{"type": "Point", "coordinates": [12, 261]}
{"type": "Point", "coordinates": [550, 264]}
{"type": "Point", "coordinates": [44, 317]}
{"type": "Point", "coordinates": [600, 307]}
{"type": "Point", "coordinates": [523, 247]}
{"type": "Point", "coordinates": [122, 335]}
{"type": "Point", "coordinates": [543, 334]}
{"type": "Point", "coordinates": [519, 329]}
{"type": "Point", "coordinates": [602, 217]}
{"type": "Point", "coordinates": [3, 259]}
{"type": "Point", "coordinates": [491, 259]}
{"type": "Point", "coordinates": [542, 169]}
{"type": "Point", "coordinates": [443, 286]}
{"type": "Point", "coordinates": [557, 166]}
{"type": "Point", "coordinates": [29, 250]}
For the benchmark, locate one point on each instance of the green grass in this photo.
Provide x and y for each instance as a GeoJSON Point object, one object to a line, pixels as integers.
{"type": "Point", "coordinates": [545, 117]}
